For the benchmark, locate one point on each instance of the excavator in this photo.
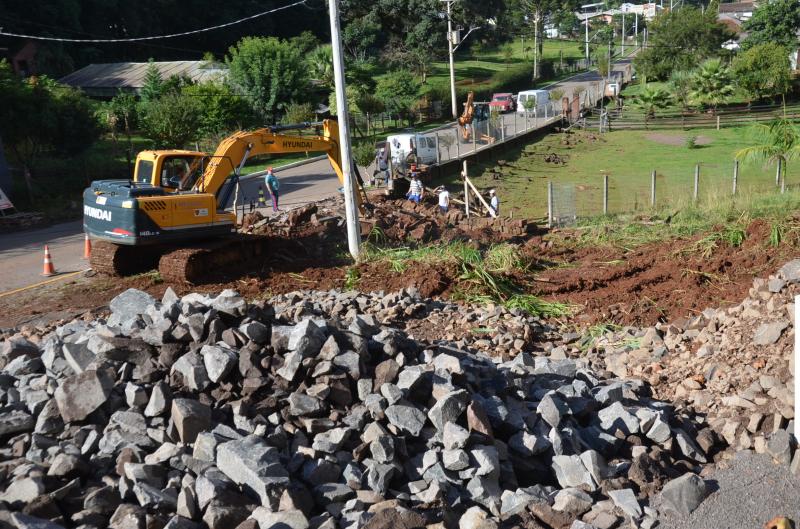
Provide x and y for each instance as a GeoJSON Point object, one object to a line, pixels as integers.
{"type": "Point", "coordinates": [474, 114]}
{"type": "Point", "coordinates": [172, 215]}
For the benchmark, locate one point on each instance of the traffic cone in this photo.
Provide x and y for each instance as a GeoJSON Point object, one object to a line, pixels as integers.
{"type": "Point", "coordinates": [49, 269]}
{"type": "Point", "coordinates": [87, 247]}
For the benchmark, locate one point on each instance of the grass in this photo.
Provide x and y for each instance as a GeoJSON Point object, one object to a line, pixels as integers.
{"type": "Point", "coordinates": [628, 158]}
{"type": "Point", "coordinates": [484, 277]}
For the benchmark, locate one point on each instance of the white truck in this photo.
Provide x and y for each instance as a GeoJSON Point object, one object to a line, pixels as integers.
{"type": "Point", "coordinates": [411, 148]}
{"type": "Point", "coordinates": [533, 102]}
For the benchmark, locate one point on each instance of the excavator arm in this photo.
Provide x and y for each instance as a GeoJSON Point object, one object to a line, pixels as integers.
{"type": "Point", "coordinates": [237, 148]}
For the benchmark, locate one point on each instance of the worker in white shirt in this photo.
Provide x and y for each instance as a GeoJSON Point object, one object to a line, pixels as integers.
{"type": "Point", "coordinates": [415, 189]}
{"type": "Point", "coordinates": [494, 202]}
{"type": "Point", "coordinates": [444, 200]}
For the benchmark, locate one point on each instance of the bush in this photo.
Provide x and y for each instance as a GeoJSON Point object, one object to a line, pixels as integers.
{"type": "Point", "coordinates": [171, 121]}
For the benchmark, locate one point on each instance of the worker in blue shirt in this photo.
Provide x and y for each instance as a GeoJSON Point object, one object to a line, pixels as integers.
{"type": "Point", "coordinates": [272, 186]}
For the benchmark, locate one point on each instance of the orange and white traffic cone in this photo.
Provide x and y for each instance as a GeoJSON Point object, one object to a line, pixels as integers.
{"type": "Point", "coordinates": [49, 269]}
{"type": "Point", "coordinates": [87, 247]}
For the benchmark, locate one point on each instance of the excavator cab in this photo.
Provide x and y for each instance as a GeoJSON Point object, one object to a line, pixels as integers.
{"type": "Point", "coordinates": [173, 170]}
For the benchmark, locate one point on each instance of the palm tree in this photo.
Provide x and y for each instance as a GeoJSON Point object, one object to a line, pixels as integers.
{"type": "Point", "coordinates": [711, 84]}
{"type": "Point", "coordinates": [320, 64]}
{"type": "Point", "coordinates": [649, 99]}
{"type": "Point", "coordinates": [776, 142]}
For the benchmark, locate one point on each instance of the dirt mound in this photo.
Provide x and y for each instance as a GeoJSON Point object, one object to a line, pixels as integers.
{"type": "Point", "coordinates": [660, 281]}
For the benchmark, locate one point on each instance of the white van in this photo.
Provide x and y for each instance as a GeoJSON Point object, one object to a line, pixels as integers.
{"type": "Point", "coordinates": [540, 98]}
{"type": "Point", "coordinates": [404, 147]}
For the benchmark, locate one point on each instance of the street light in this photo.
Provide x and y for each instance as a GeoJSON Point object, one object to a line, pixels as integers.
{"type": "Point", "coordinates": [452, 46]}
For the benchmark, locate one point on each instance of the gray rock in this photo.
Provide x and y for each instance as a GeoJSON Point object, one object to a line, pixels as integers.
{"type": "Point", "coordinates": [23, 491]}
{"type": "Point", "coordinates": [779, 447]}
{"type": "Point", "coordinates": [218, 361]}
{"type": "Point", "coordinates": [528, 444]}
{"type": "Point", "coordinates": [350, 361]}
{"type": "Point", "coordinates": [229, 302]}
{"type": "Point", "coordinates": [616, 417]}
{"type": "Point", "coordinates": [448, 408]}
{"type": "Point", "coordinates": [406, 418]}
{"type": "Point", "coordinates": [306, 338]}
{"type": "Point", "coordinates": [625, 499]}
{"type": "Point", "coordinates": [135, 396]}
{"type": "Point", "coordinates": [454, 436]}
{"type": "Point", "coordinates": [78, 356]}
{"type": "Point", "coordinates": [190, 418]}
{"type": "Point", "coordinates": [280, 520]}
{"type": "Point", "coordinates": [382, 449]}
{"type": "Point", "coordinates": [25, 521]}
{"type": "Point", "coordinates": [791, 271]}
{"type": "Point", "coordinates": [775, 285]}
{"type": "Point", "coordinates": [291, 364]}
{"type": "Point", "coordinates": [571, 472]}
{"type": "Point", "coordinates": [250, 462]}
{"type": "Point", "coordinates": [15, 421]}
{"type": "Point", "coordinates": [80, 395]}
{"type": "Point", "coordinates": [684, 494]}
{"type": "Point", "coordinates": [301, 405]}
{"type": "Point", "coordinates": [688, 447]}
{"type": "Point", "coordinates": [179, 522]}
{"type": "Point", "coordinates": [572, 501]}
{"type": "Point", "coordinates": [192, 371]}
{"type": "Point", "coordinates": [769, 333]}
{"type": "Point", "coordinates": [379, 475]}
{"type": "Point", "coordinates": [128, 305]}
{"type": "Point", "coordinates": [205, 446]}
{"type": "Point", "coordinates": [455, 460]}
{"type": "Point", "coordinates": [160, 399]}
{"type": "Point", "coordinates": [256, 331]}
{"type": "Point", "coordinates": [330, 441]}
{"type": "Point", "coordinates": [476, 518]}
{"type": "Point", "coordinates": [485, 491]}
{"type": "Point", "coordinates": [660, 432]}
{"type": "Point", "coordinates": [552, 410]}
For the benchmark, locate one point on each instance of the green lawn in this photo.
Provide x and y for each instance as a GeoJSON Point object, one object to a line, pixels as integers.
{"type": "Point", "coordinates": [627, 157]}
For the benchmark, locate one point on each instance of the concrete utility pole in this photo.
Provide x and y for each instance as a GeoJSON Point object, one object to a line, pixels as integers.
{"type": "Point", "coordinates": [636, 28]}
{"type": "Point", "coordinates": [351, 212]}
{"type": "Point", "coordinates": [453, 102]}
{"type": "Point", "coordinates": [587, 39]}
{"type": "Point", "coordinates": [623, 35]}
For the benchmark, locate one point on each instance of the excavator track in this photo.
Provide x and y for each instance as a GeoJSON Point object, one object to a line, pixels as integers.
{"type": "Point", "coordinates": [117, 260]}
{"type": "Point", "coordinates": [197, 263]}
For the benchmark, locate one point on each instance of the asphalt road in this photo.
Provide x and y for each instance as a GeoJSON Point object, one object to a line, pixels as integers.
{"type": "Point", "coordinates": [21, 254]}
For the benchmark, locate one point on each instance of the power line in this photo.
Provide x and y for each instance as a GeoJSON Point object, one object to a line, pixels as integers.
{"type": "Point", "coordinates": [172, 35]}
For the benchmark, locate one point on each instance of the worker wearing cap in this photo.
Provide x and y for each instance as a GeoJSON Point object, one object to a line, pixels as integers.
{"type": "Point", "coordinates": [444, 200]}
{"type": "Point", "coordinates": [272, 186]}
{"type": "Point", "coordinates": [494, 202]}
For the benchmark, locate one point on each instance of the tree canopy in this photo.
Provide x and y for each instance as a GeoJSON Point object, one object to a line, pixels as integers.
{"type": "Point", "coordinates": [775, 22]}
{"type": "Point", "coordinates": [763, 70]}
{"type": "Point", "coordinates": [680, 40]}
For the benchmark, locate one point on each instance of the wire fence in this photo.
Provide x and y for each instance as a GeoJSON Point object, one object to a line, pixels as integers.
{"type": "Point", "coordinates": [703, 184]}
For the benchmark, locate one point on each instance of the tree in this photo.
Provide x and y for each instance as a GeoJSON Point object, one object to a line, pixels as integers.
{"type": "Point", "coordinates": [680, 83]}
{"type": "Point", "coordinates": [39, 116]}
{"type": "Point", "coordinates": [711, 84]}
{"type": "Point", "coordinates": [122, 116]}
{"type": "Point", "coordinates": [220, 109]}
{"type": "Point", "coordinates": [298, 113]}
{"type": "Point", "coordinates": [650, 99]}
{"type": "Point", "coordinates": [776, 22]}
{"type": "Point", "coordinates": [399, 91]}
{"type": "Point", "coordinates": [763, 70]}
{"type": "Point", "coordinates": [171, 121]}
{"type": "Point", "coordinates": [680, 40]}
{"type": "Point", "coordinates": [153, 85]}
{"type": "Point", "coordinates": [270, 71]}
{"type": "Point", "coordinates": [508, 53]}
{"type": "Point", "coordinates": [320, 66]}
{"type": "Point", "coordinates": [776, 142]}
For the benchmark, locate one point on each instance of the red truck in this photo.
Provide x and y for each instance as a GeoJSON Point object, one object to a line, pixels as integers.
{"type": "Point", "coordinates": [502, 102]}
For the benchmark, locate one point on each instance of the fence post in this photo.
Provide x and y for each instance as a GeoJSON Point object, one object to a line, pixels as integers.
{"type": "Point", "coordinates": [515, 122]}
{"type": "Point", "coordinates": [605, 194]}
{"type": "Point", "coordinates": [735, 175]}
{"type": "Point", "coordinates": [783, 183]}
{"type": "Point", "coordinates": [474, 127]}
{"type": "Point", "coordinates": [502, 128]}
{"type": "Point", "coordinates": [653, 189]}
{"type": "Point", "coordinates": [549, 204]}
{"type": "Point", "coordinates": [466, 189]}
{"type": "Point", "coordinates": [717, 121]}
{"type": "Point", "coordinates": [778, 173]}
{"type": "Point", "coordinates": [696, 181]}
{"type": "Point", "coordinates": [458, 143]}
{"type": "Point", "coordinates": [438, 154]}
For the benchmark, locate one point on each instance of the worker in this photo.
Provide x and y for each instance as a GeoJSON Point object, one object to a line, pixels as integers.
{"type": "Point", "coordinates": [444, 200]}
{"type": "Point", "coordinates": [262, 200]}
{"type": "Point", "coordinates": [494, 202]}
{"type": "Point", "coordinates": [415, 189]}
{"type": "Point", "coordinates": [272, 186]}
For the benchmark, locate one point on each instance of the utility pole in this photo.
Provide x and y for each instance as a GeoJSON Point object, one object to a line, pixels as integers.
{"type": "Point", "coordinates": [622, 52]}
{"type": "Point", "coordinates": [453, 102]}
{"type": "Point", "coordinates": [351, 212]}
{"type": "Point", "coordinates": [536, 44]}
{"type": "Point", "coordinates": [636, 28]}
{"type": "Point", "coordinates": [586, 20]}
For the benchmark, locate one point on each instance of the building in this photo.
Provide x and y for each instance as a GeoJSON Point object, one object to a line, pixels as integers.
{"type": "Point", "coordinates": [21, 55]}
{"type": "Point", "coordinates": [739, 10]}
{"type": "Point", "coordinates": [106, 80]}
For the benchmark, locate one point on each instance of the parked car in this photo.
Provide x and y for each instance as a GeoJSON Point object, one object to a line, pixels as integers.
{"type": "Point", "coordinates": [533, 101]}
{"type": "Point", "coordinates": [503, 102]}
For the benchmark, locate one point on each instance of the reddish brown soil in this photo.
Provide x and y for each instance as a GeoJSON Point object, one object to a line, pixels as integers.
{"type": "Point", "coordinates": [662, 281]}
